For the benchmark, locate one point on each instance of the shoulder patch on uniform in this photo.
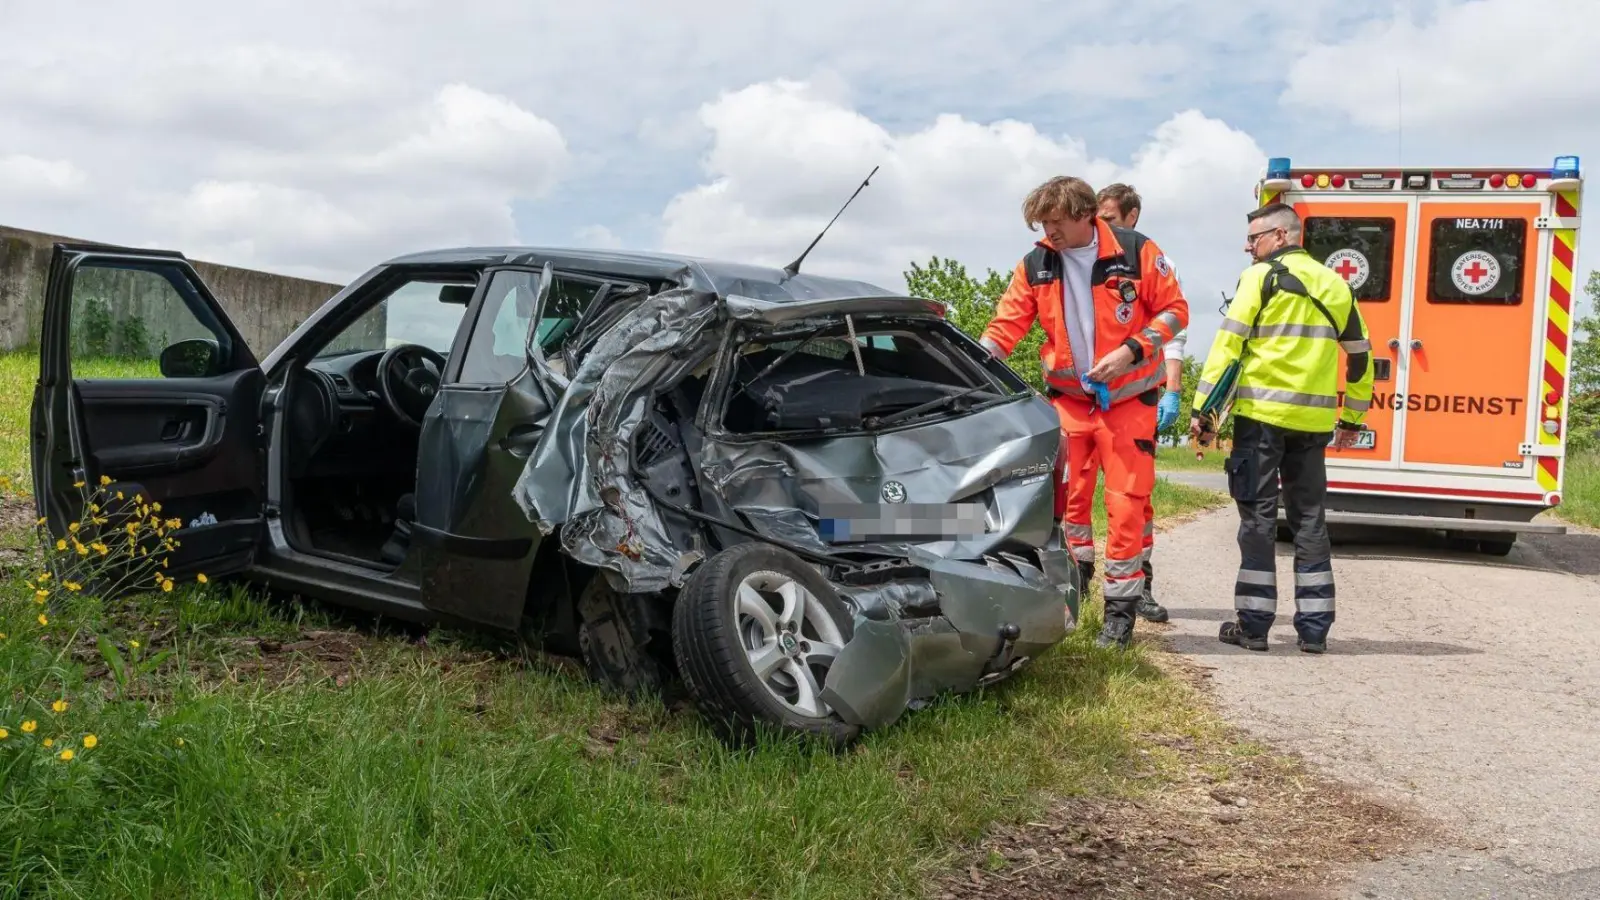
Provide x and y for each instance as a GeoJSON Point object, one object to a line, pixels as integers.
{"type": "Point", "coordinates": [1041, 266]}
{"type": "Point", "coordinates": [1164, 267]}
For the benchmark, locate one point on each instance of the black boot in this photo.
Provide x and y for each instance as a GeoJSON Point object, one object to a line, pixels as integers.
{"type": "Point", "coordinates": [1118, 628]}
{"type": "Point", "coordinates": [1230, 633]}
{"type": "Point", "coordinates": [1149, 609]}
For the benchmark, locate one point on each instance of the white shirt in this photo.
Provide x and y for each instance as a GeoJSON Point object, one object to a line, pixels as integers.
{"type": "Point", "coordinates": [1077, 301]}
{"type": "Point", "coordinates": [1173, 349]}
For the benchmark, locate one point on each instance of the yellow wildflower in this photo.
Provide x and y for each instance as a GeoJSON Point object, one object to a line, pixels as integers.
{"type": "Point", "coordinates": [90, 741]}
{"type": "Point", "coordinates": [163, 564]}
{"type": "Point", "coordinates": [166, 586]}
{"type": "Point", "coordinates": [59, 706]}
{"type": "Point", "coordinates": [5, 483]}
{"type": "Point", "coordinates": [77, 484]}
{"type": "Point", "coordinates": [138, 498]}
{"type": "Point", "coordinates": [202, 578]}
{"type": "Point", "coordinates": [2, 635]}
{"type": "Point", "coordinates": [174, 524]}
{"type": "Point", "coordinates": [43, 620]}
{"type": "Point", "coordinates": [43, 578]}
{"type": "Point", "coordinates": [133, 644]}
{"type": "Point", "coordinates": [156, 507]}
{"type": "Point", "coordinates": [119, 496]}
{"type": "Point", "coordinates": [4, 734]}
{"type": "Point", "coordinates": [61, 545]}
{"type": "Point", "coordinates": [30, 726]}
{"type": "Point", "coordinates": [94, 507]}
{"type": "Point", "coordinates": [43, 522]}
{"type": "Point", "coordinates": [49, 742]}
{"type": "Point", "coordinates": [180, 742]}
{"type": "Point", "coordinates": [73, 586]}
{"type": "Point", "coordinates": [101, 548]}
{"type": "Point", "coordinates": [41, 596]}
{"type": "Point", "coordinates": [73, 528]}
{"type": "Point", "coordinates": [66, 755]}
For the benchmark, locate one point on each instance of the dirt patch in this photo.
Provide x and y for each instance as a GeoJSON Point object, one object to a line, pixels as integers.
{"type": "Point", "coordinates": [1230, 823]}
{"type": "Point", "coordinates": [17, 517]}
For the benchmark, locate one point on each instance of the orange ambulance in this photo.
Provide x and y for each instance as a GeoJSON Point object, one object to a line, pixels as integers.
{"type": "Point", "coordinates": [1466, 280]}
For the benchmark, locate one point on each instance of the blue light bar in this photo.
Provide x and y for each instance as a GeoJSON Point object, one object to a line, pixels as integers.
{"type": "Point", "coordinates": [1278, 167]}
{"type": "Point", "coordinates": [1565, 167]}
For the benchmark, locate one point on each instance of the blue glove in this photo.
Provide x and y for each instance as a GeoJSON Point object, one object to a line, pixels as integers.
{"type": "Point", "coordinates": [1167, 410]}
{"type": "Point", "coordinates": [1098, 390]}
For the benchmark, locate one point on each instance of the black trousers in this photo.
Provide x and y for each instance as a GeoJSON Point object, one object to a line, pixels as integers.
{"type": "Point", "coordinates": [1263, 453]}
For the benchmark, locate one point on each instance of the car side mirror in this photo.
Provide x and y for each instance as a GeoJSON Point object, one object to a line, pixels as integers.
{"type": "Point", "coordinates": [194, 358]}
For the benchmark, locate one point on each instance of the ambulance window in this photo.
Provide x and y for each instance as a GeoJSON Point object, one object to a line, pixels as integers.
{"type": "Point", "coordinates": [1359, 248]}
{"type": "Point", "coordinates": [1477, 261]}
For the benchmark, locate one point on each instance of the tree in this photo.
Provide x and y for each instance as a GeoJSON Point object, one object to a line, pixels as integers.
{"type": "Point", "coordinates": [1583, 414]}
{"type": "Point", "coordinates": [972, 303]}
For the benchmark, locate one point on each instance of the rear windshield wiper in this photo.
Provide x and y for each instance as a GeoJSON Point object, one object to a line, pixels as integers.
{"type": "Point", "coordinates": [892, 418]}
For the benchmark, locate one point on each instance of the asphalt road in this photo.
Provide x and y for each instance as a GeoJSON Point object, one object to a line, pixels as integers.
{"type": "Point", "coordinates": [1467, 686]}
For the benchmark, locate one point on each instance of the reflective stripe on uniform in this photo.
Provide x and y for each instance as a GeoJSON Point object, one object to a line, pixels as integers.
{"type": "Point", "coordinates": [1307, 579]}
{"type": "Point", "coordinates": [1119, 588]}
{"type": "Point", "coordinates": [1292, 398]}
{"type": "Point", "coordinates": [1313, 604]}
{"type": "Point", "coordinates": [1361, 346]}
{"type": "Point", "coordinates": [1134, 388]}
{"type": "Point", "coordinates": [1255, 604]}
{"type": "Point", "coordinates": [1083, 553]}
{"type": "Point", "coordinates": [1251, 576]}
{"type": "Point", "coordinates": [1298, 331]}
{"type": "Point", "coordinates": [1080, 532]}
{"type": "Point", "coordinates": [1354, 405]}
{"type": "Point", "coordinates": [1233, 326]}
{"type": "Point", "coordinates": [1204, 387]}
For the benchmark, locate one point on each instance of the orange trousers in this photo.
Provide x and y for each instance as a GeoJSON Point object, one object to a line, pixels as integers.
{"type": "Point", "coordinates": [1121, 442]}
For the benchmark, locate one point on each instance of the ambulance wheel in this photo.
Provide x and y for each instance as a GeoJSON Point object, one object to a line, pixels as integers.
{"type": "Point", "coordinates": [1497, 546]}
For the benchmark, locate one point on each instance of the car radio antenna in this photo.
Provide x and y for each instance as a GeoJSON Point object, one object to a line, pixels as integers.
{"type": "Point", "coordinates": [793, 269]}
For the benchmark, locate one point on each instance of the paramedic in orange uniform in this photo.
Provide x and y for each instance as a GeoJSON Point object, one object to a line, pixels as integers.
{"type": "Point", "coordinates": [1108, 301]}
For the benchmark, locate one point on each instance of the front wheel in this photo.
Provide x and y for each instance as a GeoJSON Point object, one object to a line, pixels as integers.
{"type": "Point", "coordinates": [755, 631]}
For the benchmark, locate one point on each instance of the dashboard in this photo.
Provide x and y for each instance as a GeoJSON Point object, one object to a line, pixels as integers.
{"type": "Point", "coordinates": [338, 423]}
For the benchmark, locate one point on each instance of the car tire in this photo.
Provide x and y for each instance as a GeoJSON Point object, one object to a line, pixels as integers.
{"type": "Point", "coordinates": [718, 645]}
{"type": "Point", "coordinates": [616, 643]}
{"type": "Point", "coordinates": [1496, 547]}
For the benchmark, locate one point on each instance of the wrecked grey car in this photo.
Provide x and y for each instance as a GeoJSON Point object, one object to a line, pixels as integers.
{"type": "Point", "coordinates": [815, 502]}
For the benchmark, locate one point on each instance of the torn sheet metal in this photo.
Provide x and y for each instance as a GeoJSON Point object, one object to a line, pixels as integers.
{"type": "Point", "coordinates": [578, 475]}
{"type": "Point", "coordinates": [999, 458]}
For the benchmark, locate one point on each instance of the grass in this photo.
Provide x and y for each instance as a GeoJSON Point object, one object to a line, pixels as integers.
{"type": "Point", "coordinates": [291, 749]}
{"type": "Point", "coordinates": [1580, 493]}
{"type": "Point", "coordinates": [1182, 459]}
{"type": "Point", "coordinates": [18, 373]}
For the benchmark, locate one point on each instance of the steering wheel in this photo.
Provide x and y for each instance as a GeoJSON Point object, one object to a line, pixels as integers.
{"type": "Point", "coordinates": [405, 382]}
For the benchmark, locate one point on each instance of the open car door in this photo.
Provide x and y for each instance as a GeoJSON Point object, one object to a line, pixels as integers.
{"type": "Point", "coordinates": [147, 390]}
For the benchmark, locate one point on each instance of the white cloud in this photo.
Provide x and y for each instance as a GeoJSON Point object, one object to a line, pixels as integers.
{"type": "Point", "coordinates": [30, 179]}
{"type": "Point", "coordinates": [1472, 71]}
{"type": "Point", "coordinates": [598, 237]}
{"type": "Point", "coordinates": [783, 159]}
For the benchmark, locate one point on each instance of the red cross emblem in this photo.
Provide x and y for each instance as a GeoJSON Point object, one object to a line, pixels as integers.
{"type": "Point", "coordinates": [1476, 272]}
{"type": "Point", "coordinates": [1346, 268]}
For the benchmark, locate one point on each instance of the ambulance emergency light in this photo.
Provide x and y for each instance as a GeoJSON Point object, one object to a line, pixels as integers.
{"type": "Point", "coordinates": [1565, 167]}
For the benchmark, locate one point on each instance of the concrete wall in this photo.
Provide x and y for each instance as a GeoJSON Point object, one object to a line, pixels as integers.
{"type": "Point", "coordinates": [136, 306]}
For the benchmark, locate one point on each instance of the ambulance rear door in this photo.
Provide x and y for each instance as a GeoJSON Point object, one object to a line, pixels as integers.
{"type": "Point", "coordinates": [1365, 239]}
{"type": "Point", "coordinates": [1472, 335]}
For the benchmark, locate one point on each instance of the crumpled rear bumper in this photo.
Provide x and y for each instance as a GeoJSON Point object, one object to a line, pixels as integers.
{"type": "Point", "coordinates": [968, 624]}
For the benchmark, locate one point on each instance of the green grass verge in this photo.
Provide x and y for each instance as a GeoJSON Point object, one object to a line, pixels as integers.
{"type": "Point", "coordinates": [1580, 490]}
{"type": "Point", "coordinates": [1182, 459]}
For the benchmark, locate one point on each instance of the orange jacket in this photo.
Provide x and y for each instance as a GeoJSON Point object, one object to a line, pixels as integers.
{"type": "Point", "coordinates": [1141, 307]}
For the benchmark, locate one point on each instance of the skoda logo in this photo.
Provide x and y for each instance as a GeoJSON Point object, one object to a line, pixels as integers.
{"type": "Point", "coordinates": [894, 492]}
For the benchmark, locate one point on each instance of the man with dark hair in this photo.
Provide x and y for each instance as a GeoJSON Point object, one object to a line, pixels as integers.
{"type": "Point", "coordinates": [1296, 315]}
{"type": "Point", "coordinates": [1120, 206]}
{"type": "Point", "coordinates": [1108, 302]}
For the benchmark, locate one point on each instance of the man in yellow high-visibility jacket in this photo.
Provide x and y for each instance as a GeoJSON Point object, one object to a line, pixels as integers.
{"type": "Point", "coordinates": [1285, 327]}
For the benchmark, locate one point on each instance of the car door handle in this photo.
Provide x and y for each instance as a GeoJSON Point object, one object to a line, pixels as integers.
{"type": "Point", "coordinates": [521, 440]}
{"type": "Point", "coordinates": [175, 430]}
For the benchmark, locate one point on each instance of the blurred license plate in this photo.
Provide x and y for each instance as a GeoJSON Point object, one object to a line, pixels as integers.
{"type": "Point", "coordinates": [841, 522]}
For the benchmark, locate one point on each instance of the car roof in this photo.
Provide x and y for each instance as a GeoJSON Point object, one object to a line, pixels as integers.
{"type": "Point", "coordinates": [765, 283]}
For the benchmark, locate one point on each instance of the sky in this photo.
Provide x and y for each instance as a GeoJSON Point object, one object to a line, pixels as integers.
{"type": "Point", "coordinates": [317, 139]}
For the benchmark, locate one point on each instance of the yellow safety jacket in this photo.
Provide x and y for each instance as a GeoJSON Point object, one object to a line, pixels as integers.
{"type": "Point", "coordinates": [1285, 326]}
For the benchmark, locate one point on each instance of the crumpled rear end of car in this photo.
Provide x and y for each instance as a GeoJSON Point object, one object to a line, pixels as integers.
{"type": "Point", "coordinates": [868, 439]}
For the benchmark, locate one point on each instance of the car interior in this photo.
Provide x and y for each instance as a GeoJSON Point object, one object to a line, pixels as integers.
{"type": "Point", "coordinates": [355, 409]}
{"type": "Point", "coordinates": [354, 416]}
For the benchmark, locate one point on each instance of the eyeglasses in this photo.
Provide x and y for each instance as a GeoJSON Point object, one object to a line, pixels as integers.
{"type": "Point", "coordinates": [1251, 238]}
